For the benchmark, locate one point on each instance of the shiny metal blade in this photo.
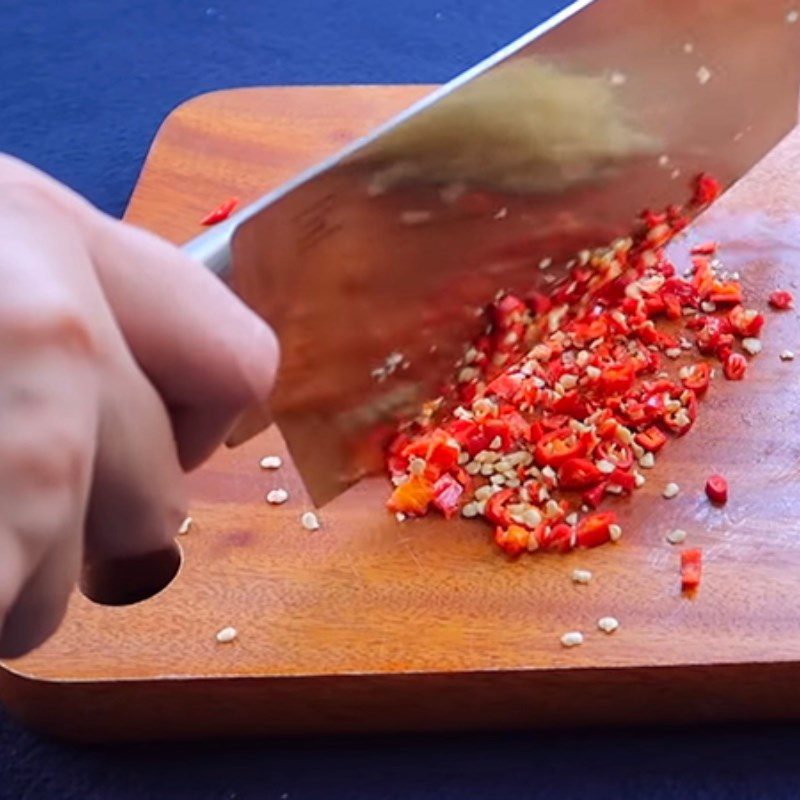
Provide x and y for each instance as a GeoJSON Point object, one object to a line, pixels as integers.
{"type": "Point", "coordinates": [372, 266]}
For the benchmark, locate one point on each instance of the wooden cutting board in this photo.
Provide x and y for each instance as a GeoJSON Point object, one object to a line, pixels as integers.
{"type": "Point", "coordinates": [370, 625]}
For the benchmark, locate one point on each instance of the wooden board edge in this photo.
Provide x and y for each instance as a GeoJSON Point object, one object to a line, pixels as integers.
{"type": "Point", "coordinates": [358, 704]}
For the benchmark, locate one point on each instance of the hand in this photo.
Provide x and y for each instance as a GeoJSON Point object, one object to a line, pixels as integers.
{"type": "Point", "coordinates": [124, 363]}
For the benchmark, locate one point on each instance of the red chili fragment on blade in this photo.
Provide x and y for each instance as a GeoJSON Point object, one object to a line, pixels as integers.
{"type": "Point", "coordinates": [221, 212]}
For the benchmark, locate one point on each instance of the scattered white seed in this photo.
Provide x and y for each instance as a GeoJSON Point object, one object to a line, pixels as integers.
{"type": "Point", "coordinates": [483, 493]}
{"type": "Point", "coordinates": [400, 516]}
{"type": "Point", "coordinates": [614, 533]}
{"type": "Point", "coordinates": [277, 496]}
{"type": "Point", "coordinates": [663, 161]}
{"type": "Point", "coordinates": [639, 480]}
{"type": "Point", "coordinates": [593, 372]}
{"type": "Point", "coordinates": [467, 374]}
{"type": "Point", "coordinates": [271, 462]}
{"type": "Point", "coordinates": [708, 307]}
{"type": "Point", "coordinates": [671, 490]}
{"type": "Point", "coordinates": [551, 508]}
{"type": "Point", "coordinates": [473, 468]}
{"type": "Point", "coordinates": [545, 263]}
{"type": "Point", "coordinates": [608, 624]}
{"type": "Point", "coordinates": [672, 352]}
{"type": "Point", "coordinates": [501, 214]}
{"type": "Point", "coordinates": [227, 635]}
{"type": "Point", "coordinates": [792, 16]}
{"type": "Point", "coordinates": [787, 355]}
{"type": "Point", "coordinates": [498, 480]}
{"type": "Point", "coordinates": [688, 47]}
{"type": "Point", "coordinates": [572, 639]}
{"type": "Point", "coordinates": [416, 466]}
{"type": "Point", "coordinates": [496, 443]}
{"type": "Point", "coordinates": [581, 576]}
{"type": "Point", "coordinates": [617, 78]}
{"type": "Point", "coordinates": [470, 510]}
{"type": "Point", "coordinates": [751, 345]}
{"type": "Point", "coordinates": [605, 466]}
{"type": "Point", "coordinates": [703, 75]}
{"type": "Point", "coordinates": [675, 174]}
{"type": "Point", "coordinates": [647, 461]}
{"type": "Point", "coordinates": [678, 536]}
{"type": "Point", "coordinates": [531, 517]}
{"type": "Point", "coordinates": [310, 521]}
{"type": "Point", "coordinates": [185, 527]}
{"type": "Point", "coordinates": [569, 381]}
{"type": "Point", "coordinates": [572, 518]}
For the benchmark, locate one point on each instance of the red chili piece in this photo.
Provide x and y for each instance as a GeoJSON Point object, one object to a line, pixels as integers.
{"type": "Point", "coordinates": [781, 300]}
{"type": "Point", "coordinates": [691, 569]}
{"type": "Point", "coordinates": [706, 189]}
{"type": "Point", "coordinates": [561, 393]}
{"type": "Point", "coordinates": [221, 212]}
{"type": "Point", "coordinates": [717, 489]}
{"type": "Point", "coordinates": [735, 367]}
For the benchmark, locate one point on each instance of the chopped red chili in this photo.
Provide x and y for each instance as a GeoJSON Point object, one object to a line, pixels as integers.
{"type": "Point", "coordinates": [691, 569]}
{"type": "Point", "coordinates": [697, 377]}
{"type": "Point", "coordinates": [717, 489]}
{"type": "Point", "coordinates": [651, 439]}
{"type": "Point", "coordinates": [447, 492]}
{"type": "Point", "coordinates": [595, 529]}
{"type": "Point", "coordinates": [561, 395]}
{"type": "Point", "coordinates": [221, 212]}
{"type": "Point", "coordinates": [706, 190]}
{"type": "Point", "coordinates": [781, 300]}
{"type": "Point", "coordinates": [735, 367]}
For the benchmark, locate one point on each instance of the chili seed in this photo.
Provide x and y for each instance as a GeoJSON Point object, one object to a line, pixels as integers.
{"type": "Point", "coordinates": [185, 527]}
{"type": "Point", "coordinates": [271, 462]}
{"type": "Point", "coordinates": [751, 345]}
{"type": "Point", "coordinates": [277, 497]}
{"type": "Point", "coordinates": [572, 639]}
{"type": "Point", "coordinates": [310, 521]}
{"type": "Point", "coordinates": [677, 536]}
{"type": "Point", "coordinates": [226, 635]}
{"type": "Point", "coordinates": [581, 576]}
{"type": "Point", "coordinates": [671, 490]}
{"type": "Point", "coordinates": [787, 355]}
{"type": "Point", "coordinates": [608, 624]}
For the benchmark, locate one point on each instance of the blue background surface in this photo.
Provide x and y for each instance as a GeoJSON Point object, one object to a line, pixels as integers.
{"type": "Point", "coordinates": [83, 87]}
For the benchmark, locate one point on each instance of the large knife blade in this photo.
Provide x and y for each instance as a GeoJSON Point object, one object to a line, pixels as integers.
{"type": "Point", "coordinates": [372, 266]}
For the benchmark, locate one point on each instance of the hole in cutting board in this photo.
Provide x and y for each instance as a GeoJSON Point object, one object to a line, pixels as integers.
{"type": "Point", "coordinates": [131, 580]}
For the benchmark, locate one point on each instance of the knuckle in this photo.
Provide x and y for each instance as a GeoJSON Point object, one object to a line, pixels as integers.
{"type": "Point", "coordinates": [52, 458]}
{"type": "Point", "coordinates": [53, 321]}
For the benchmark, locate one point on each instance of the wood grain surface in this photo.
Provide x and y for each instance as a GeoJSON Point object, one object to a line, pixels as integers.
{"type": "Point", "coordinates": [372, 625]}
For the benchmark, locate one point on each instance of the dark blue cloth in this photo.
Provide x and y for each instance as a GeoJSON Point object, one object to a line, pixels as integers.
{"type": "Point", "coordinates": [83, 87]}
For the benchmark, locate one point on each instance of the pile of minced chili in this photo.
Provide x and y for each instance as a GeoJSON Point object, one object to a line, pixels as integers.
{"type": "Point", "coordinates": [564, 398]}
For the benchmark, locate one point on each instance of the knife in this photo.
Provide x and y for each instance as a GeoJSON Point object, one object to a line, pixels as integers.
{"type": "Point", "coordinates": [373, 267]}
